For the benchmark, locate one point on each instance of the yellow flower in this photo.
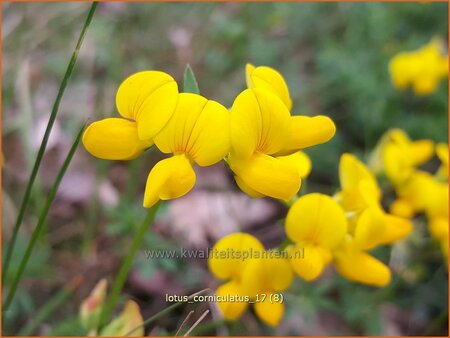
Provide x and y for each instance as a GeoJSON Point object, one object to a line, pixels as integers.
{"type": "Point", "coordinates": [198, 132]}
{"type": "Point", "coordinates": [399, 157]}
{"type": "Point", "coordinates": [265, 138]}
{"type": "Point", "coordinates": [357, 265]}
{"type": "Point", "coordinates": [317, 224]}
{"type": "Point", "coordinates": [146, 101]}
{"type": "Point", "coordinates": [359, 188]}
{"type": "Point", "coordinates": [251, 274]}
{"type": "Point", "coordinates": [369, 225]}
{"type": "Point", "coordinates": [423, 68]}
{"type": "Point", "coordinates": [194, 129]}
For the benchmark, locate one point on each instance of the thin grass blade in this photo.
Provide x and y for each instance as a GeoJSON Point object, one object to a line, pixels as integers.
{"type": "Point", "coordinates": [44, 142]}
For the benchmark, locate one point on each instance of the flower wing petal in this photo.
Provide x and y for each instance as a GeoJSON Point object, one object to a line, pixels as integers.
{"type": "Point", "coordinates": [359, 266]}
{"type": "Point", "coordinates": [309, 131]}
{"type": "Point", "coordinates": [267, 175]}
{"type": "Point", "coordinates": [259, 122]}
{"type": "Point", "coordinates": [270, 79]}
{"type": "Point", "coordinates": [269, 312]}
{"type": "Point", "coordinates": [148, 97]}
{"type": "Point", "coordinates": [224, 263]}
{"type": "Point", "coordinates": [316, 219]}
{"type": "Point", "coordinates": [170, 178]}
{"type": "Point", "coordinates": [231, 310]}
{"type": "Point", "coordinates": [114, 139]}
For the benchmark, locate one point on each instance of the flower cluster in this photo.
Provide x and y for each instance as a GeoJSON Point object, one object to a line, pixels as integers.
{"type": "Point", "coordinates": [423, 69]}
{"type": "Point", "coordinates": [258, 137]}
{"type": "Point", "coordinates": [341, 230]}
{"type": "Point", "coordinates": [417, 191]}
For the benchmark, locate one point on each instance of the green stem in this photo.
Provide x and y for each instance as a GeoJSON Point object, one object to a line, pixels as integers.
{"type": "Point", "coordinates": [42, 217]}
{"type": "Point", "coordinates": [126, 266]}
{"type": "Point", "coordinates": [44, 142]}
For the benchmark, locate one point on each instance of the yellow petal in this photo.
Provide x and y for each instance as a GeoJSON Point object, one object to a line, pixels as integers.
{"type": "Point", "coordinates": [370, 226]}
{"type": "Point", "coordinates": [309, 131]}
{"type": "Point", "coordinates": [149, 97]}
{"type": "Point", "coordinates": [245, 188]}
{"type": "Point", "coordinates": [422, 151]}
{"type": "Point", "coordinates": [270, 272]}
{"type": "Point", "coordinates": [209, 140]}
{"type": "Point", "coordinates": [311, 265]}
{"type": "Point", "coordinates": [402, 208]}
{"type": "Point", "coordinates": [397, 166]}
{"type": "Point", "coordinates": [270, 79]}
{"type": "Point", "coordinates": [359, 266]}
{"type": "Point", "coordinates": [114, 139]}
{"type": "Point", "coordinates": [299, 160]}
{"type": "Point", "coordinates": [259, 122]}
{"type": "Point", "coordinates": [231, 310]}
{"type": "Point", "coordinates": [270, 313]}
{"type": "Point", "coordinates": [316, 219]}
{"type": "Point", "coordinates": [170, 178]}
{"type": "Point", "coordinates": [267, 175]}
{"type": "Point", "coordinates": [198, 128]}
{"type": "Point", "coordinates": [231, 253]}
{"type": "Point", "coordinates": [439, 228]}
{"type": "Point", "coordinates": [396, 229]}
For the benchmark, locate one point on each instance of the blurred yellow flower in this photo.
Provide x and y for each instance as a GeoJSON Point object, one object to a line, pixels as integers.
{"type": "Point", "coordinates": [423, 69]}
{"type": "Point", "coordinates": [399, 157]}
{"type": "Point", "coordinates": [198, 132]}
{"type": "Point", "coordinates": [317, 224]}
{"type": "Point", "coordinates": [369, 225]}
{"type": "Point", "coordinates": [265, 138]}
{"type": "Point", "coordinates": [252, 275]}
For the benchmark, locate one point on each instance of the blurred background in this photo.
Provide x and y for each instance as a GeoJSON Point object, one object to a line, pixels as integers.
{"type": "Point", "coordinates": [334, 57]}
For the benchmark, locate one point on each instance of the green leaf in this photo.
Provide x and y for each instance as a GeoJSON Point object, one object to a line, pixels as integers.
{"type": "Point", "coordinates": [190, 84]}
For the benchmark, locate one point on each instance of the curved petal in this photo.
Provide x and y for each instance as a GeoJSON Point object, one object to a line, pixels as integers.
{"type": "Point", "coordinates": [316, 219]}
{"type": "Point", "coordinates": [309, 131]}
{"type": "Point", "coordinates": [422, 151]}
{"type": "Point", "coordinates": [370, 226]}
{"type": "Point", "coordinates": [359, 266]}
{"type": "Point", "coordinates": [209, 139]}
{"type": "Point", "coordinates": [231, 253]}
{"type": "Point", "coordinates": [170, 178]}
{"type": "Point", "coordinates": [267, 175]}
{"type": "Point", "coordinates": [175, 135]}
{"type": "Point", "coordinates": [402, 208]}
{"type": "Point", "coordinates": [299, 160]}
{"type": "Point", "coordinates": [259, 122]}
{"type": "Point", "coordinates": [311, 265]}
{"type": "Point", "coordinates": [267, 272]}
{"type": "Point", "coordinates": [114, 139]}
{"type": "Point", "coordinates": [269, 312]}
{"type": "Point", "coordinates": [270, 79]}
{"type": "Point", "coordinates": [352, 172]}
{"type": "Point", "coordinates": [149, 97]}
{"type": "Point", "coordinates": [396, 229]}
{"type": "Point", "coordinates": [231, 310]}
{"type": "Point", "coordinates": [439, 228]}
{"type": "Point", "coordinates": [245, 188]}
{"type": "Point", "coordinates": [199, 128]}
